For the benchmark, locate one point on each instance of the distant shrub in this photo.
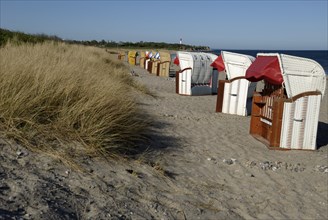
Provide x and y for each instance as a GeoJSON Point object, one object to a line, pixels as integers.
{"type": "Point", "coordinates": [18, 38]}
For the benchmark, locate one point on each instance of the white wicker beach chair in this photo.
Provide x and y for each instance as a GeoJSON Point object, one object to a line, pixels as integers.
{"type": "Point", "coordinates": [235, 93]}
{"type": "Point", "coordinates": [288, 119]}
{"type": "Point", "coordinates": [196, 76]}
{"type": "Point", "coordinates": [149, 56]}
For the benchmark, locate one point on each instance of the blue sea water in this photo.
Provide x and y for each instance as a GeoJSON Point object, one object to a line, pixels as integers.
{"type": "Point", "coordinates": [321, 56]}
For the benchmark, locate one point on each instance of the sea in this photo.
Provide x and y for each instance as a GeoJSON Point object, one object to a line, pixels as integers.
{"type": "Point", "coordinates": [321, 56]}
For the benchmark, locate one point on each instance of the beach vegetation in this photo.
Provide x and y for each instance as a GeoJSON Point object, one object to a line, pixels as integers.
{"type": "Point", "coordinates": [68, 101]}
{"type": "Point", "coordinates": [20, 37]}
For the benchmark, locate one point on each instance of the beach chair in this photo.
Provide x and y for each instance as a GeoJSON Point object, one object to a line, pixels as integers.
{"type": "Point", "coordinates": [149, 56]}
{"type": "Point", "coordinates": [234, 93]}
{"type": "Point", "coordinates": [153, 63]}
{"type": "Point", "coordinates": [137, 58]}
{"type": "Point", "coordinates": [132, 56]}
{"type": "Point", "coordinates": [126, 56]}
{"type": "Point", "coordinates": [142, 59]}
{"type": "Point", "coordinates": [196, 75]}
{"type": "Point", "coordinates": [121, 55]}
{"type": "Point", "coordinates": [285, 114]}
{"type": "Point", "coordinates": [174, 65]}
{"type": "Point", "coordinates": [163, 67]}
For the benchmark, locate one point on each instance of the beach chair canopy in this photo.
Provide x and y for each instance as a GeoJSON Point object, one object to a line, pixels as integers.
{"type": "Point", "coordinates": [297, 74]}
{"type": "Point", "coordinates": [157, 56]}
{"type": "Point", "coordinates": [176, 61]}
{"type": "Point", "coordinates": [149, 54]}
{"type": "Point", "coordinates": [218, 64]}
{"type": "Point", "coordinates": [265, 68]}
{"type": "Point", "coordinates": [236, 64]}
{"type": "Point", "coordinates": [184, 60]}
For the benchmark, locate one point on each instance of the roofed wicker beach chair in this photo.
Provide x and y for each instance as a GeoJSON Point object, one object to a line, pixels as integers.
{"type": "Point", "coordinates": [163, 67]}
{"type": "Point", "coordinates": [235, 93]}
{"type": "Point", "coordinates": [196, 75]}
{"type": "Point", "coordinates": [126, 56]}
{"type": "Point", "coordinates": [122, 55]}
{"type": "Point", "coordinates": [137, 58]}
{"type": "Point", "coordinates": [132, 56]}
{"type": "Point", "coordinates": [285, 114]}
{"type": "Point", "coordinates": [142, 59]}
{"type": "Point", "coordinates": [174, 64]}
{"type": "Point", "coordinates": [149, 56]}
{"type": "Point", "coordinates": [153, 63]}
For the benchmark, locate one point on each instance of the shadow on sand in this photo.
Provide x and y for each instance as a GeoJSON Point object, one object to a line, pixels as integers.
{"type": "Point", "coordinates": [154, 140]}
{"type": "Point", "coordinates": [322, 135]}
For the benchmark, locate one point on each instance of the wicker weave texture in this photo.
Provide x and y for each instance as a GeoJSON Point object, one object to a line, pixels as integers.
{"type": "Point", "coordinates": [236, 64]}
{"type": "Point", "coordinates": [300, 123]}
{"type": "Point", "coordinates": [302, 75]}
{"type": "Point", "coordinates": [235, 97]}
{"type": "Point", "coordinates": [198, 80]}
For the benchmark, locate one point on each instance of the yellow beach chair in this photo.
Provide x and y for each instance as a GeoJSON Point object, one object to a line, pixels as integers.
{"type": "Point", "coordinates": [123, 55]}
{"type": "Point", "coordinates": [163, 67]}
{"type": "Point", "coordinates": [132, 55]}
{"type": "Point", "coordinates": [150, 63]}
{"type": "Point", "coordinates": [142, 59]}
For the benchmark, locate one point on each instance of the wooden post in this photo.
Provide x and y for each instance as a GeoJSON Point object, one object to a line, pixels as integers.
{"type": "Point", "coordinates": [219, 99]}
{"type": "Point", "coordinates": [278, 108]}
{"type": "Point", "coordinates": [177, 76]}
{"type": "Point", "coordinates": [158, 69]}
{"type": "Point", "coordinates": [144, 62]}
{"type": "Point", "coordinates": [150, 66]}
{"type": "Point", "coordinates": [255, 125]}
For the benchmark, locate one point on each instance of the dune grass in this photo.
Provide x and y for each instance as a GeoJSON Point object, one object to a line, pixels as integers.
{"type": "Point", "coordinates": [68, 100]}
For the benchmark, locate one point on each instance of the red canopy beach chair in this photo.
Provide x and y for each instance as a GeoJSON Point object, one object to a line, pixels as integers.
{"type": "Point", "coordinates": [285, 114]}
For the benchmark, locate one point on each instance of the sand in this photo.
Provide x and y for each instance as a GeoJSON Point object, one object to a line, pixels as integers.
{"type": "Point", "coordinates": [198, 165]}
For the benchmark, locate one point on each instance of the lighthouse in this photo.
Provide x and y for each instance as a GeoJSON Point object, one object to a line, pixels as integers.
{"type": "Point", "coordinates": [180, 41]}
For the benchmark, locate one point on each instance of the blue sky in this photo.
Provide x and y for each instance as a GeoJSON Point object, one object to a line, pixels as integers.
{"type": "Point", "coordinates": [240, 24]}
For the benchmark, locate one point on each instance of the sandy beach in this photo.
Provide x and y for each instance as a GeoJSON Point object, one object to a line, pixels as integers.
{"type": "Point", "coordinates": [198, 164]}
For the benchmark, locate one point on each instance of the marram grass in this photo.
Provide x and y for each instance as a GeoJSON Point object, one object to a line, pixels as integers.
{"type": "Point", "coordinates": [67, 100]}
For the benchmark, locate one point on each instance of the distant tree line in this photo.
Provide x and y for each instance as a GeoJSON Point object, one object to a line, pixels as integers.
{"type": "Point", "coordinates": [142, 45]}
{"type": "Point", "coordinates": [20, 37]}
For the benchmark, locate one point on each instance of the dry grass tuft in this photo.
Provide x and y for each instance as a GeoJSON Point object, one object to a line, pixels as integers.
{"type": "Point", "coordinates": [67, 100]}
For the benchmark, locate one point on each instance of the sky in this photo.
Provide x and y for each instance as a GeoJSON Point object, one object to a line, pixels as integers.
{"type": "Point", "coordinates": [243, 24]}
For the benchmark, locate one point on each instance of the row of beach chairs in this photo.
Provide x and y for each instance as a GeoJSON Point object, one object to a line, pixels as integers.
{"type": "Point", "coordinates": [154, 62]}
{"type": "Point", "coordinates": [284, 114]}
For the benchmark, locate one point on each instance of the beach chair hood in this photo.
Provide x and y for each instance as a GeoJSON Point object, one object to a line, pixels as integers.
{"type": "Point", "coordinates": [176, 61]}
{"type": "Point", "coordinates": [236, 64]}
{"type": "Point", "coordinates": [298, 75]}
{"type": "Point", "coordinates": [218, 64]}
{"type": "Point", "coordinates": [265, 68]}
